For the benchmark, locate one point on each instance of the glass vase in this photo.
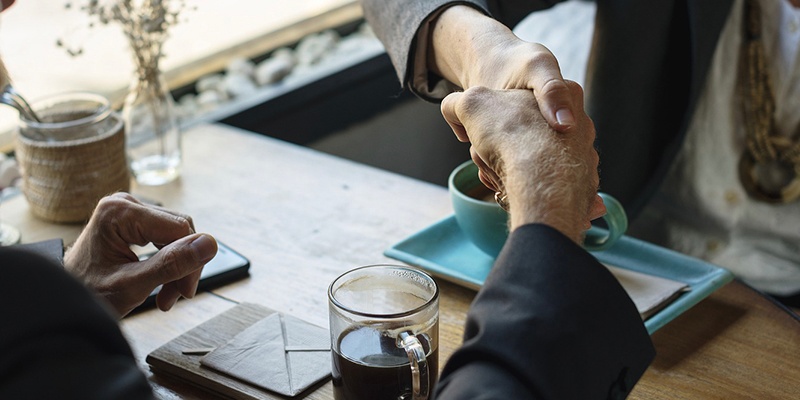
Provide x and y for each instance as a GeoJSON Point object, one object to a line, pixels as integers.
{"type": "Point", "coordinates": [153, 141]}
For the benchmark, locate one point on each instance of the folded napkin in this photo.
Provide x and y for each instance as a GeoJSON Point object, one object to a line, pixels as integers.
{"type": "Point", "coordinates": [649, 293]}
{"type": "Point", "coordinates": [278, 353]}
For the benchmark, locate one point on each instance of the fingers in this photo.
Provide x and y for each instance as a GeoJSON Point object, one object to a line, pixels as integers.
{"type": "Point", "coordinates": [486, 174]}
{"type": "Point", "coordinates": [448, 109]}
{"type": "Point", "coordinates": [170, 292]}
{"type": "Point", "coordinates": [597, 209]}
{"type": "Point", "coordinates": [5, 4]}
{"type": "Point", "coordinates": [551, 90]}
{"type": "Point", "coordinates": [137, 223]}
{"type": "Point", "coordinates": [178, 266]}
{"type": "Point", "coordinates": [167, 296]}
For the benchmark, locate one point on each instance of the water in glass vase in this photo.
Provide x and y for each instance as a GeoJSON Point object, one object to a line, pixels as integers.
{"type": "Point", "coordinates": [156, 159]}
{"type": "Point", "coordinates": [153, 133]}
{"type": "Point", "coordinates": [156, 169]}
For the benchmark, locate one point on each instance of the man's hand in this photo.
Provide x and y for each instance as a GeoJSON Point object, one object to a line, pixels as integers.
{"type": "Point", "coordinates": [550, 177]}
{"type": "Point", "coordinates": [471, 49]}
{"type": "Point", "coordinates": [103, 260]}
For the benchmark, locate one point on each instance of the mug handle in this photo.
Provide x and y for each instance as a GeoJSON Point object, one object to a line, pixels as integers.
{"type": "Point", "coordinates": [420, 374]}
{"type": "Point", "coordinates": [598, 239]}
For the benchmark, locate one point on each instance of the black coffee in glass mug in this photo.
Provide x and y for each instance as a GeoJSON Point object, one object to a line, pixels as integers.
{"type": "Point", "coordinates": [384, 322]}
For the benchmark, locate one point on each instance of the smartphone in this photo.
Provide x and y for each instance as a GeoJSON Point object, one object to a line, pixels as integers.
{"type": "Point", "coordinates": [227, 266]}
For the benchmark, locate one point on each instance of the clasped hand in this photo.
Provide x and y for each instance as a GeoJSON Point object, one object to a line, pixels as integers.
{"type": "Point", "coordinates": [550, 177]}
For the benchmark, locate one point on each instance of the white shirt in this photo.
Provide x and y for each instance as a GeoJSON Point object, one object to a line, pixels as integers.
{"type": "Point", "coordinates": [702, 209]}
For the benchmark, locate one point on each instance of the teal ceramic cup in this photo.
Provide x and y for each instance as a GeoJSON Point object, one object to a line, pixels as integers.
{"type": "Point", "coordinates": [485, 224]}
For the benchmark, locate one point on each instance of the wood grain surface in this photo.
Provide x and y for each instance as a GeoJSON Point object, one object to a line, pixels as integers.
{"type": "Point", "coordinates": [304, 217]}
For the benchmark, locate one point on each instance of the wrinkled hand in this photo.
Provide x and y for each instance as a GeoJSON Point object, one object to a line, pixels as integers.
{"type": "Point", "coordinates": [103, 260]}
{"type": "Point", "coordinates": [472, 49]}
{"type": "Point", "coordinates": [550, 177]}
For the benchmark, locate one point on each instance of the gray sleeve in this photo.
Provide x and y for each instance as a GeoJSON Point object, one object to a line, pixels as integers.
{"type": "Point", "coordinates": [397, 24]}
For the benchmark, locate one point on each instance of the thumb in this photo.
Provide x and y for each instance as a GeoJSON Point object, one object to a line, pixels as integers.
{"type": "Point", "coordinates": [178, 267]}
{"type": "Point", "coordinates": [448, 109]}
{"type": "Point", "coordinates": [552, 92]}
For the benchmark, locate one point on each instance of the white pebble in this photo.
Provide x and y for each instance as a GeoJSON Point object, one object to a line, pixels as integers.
{"type": "Point", "coordinates": [209, 82]}
{"type": "Point", "coordinates": [272, 70]}
{"type": "Point", "coordinates": [209, 99]}
{"type": "Point", "coordinates": [238, 85]}
{"type": "Point", "coordinates": [286, 54]}
{"type": "Point", "coordinates": [240, 66]}
{"type": "Point", "coordinates": [187, 105]}
{"type": "Point", "coordinates": [314, 47]}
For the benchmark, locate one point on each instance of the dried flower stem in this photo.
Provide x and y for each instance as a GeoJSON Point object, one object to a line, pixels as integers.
{"type": "Point", "coordinates": [145, 24]}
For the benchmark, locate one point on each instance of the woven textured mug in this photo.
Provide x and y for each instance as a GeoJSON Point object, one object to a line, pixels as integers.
{"type": "Point", "coordinates": [73, 157]}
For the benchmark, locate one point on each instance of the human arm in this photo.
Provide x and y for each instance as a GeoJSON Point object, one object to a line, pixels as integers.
{"type": "Point", "coordinates": [441, 46]}
{"type": "Point", "coordinates": [101, 257]}
{"type": "Point", "coordinates": [550, 321]}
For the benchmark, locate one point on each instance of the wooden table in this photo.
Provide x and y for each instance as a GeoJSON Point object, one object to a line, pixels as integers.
{"type": "Point", "coordinates": [303, 218]}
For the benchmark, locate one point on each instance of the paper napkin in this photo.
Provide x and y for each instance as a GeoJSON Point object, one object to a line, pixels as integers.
{"type": "Point", "coordinates": [649, 293]}
{"type": "Point", "coordinates": [278, 353]}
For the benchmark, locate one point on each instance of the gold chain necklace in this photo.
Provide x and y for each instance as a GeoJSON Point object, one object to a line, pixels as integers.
{"type": "Point", "coordinates": [769, 167]}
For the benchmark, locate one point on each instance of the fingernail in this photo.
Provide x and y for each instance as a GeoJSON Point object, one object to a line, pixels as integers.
{"type": "Point", "coordinates": [204, 247]}
{"type": "Point", "coordinates": [564, 117]}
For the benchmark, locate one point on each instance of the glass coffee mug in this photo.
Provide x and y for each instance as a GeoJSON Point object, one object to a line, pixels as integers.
{"type": "Point", "coordinates": [384, 324]}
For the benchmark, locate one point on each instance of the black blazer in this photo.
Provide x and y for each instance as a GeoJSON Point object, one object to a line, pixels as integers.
{"type": "Point", "coordinates": [550, 322]}
{"type": "Point", "coordinates": [57, 341]}
{"type": "Point", "coordinates": [647, 67]}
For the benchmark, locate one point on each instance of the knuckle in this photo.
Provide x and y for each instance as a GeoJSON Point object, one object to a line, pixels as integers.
{"type": "Point", "coordinates": [123, 196]}
{"type": "Point", "coordinates": [574, 88]}
{"type": "Point", "coordinates": [118, 199]}
{"type": "Point", "coordinates": [185, 223]}
{"type": "Point", "coordinates": [543, 64]}
{"type": "Point", "coordinates": [110, 205]}
{"type": "Point", "coordinates": [542, 57]}
{"type": "Point", "coordinates": [189, 222]}
{"type": "Point", "coordinates": [171, 265]}
{"type": "Point", "coordinates": [474, 98]}
{"type": "Point", "coordinates": [555, 87]}
{"type": "Point", "coordinates": [476, 93]}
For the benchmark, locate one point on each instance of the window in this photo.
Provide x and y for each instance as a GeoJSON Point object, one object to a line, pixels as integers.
{"type": "Point", "coordinates": [209, 35]}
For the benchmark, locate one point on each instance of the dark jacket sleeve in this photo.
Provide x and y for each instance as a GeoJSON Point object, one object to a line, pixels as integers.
{"type": "Point", "coordinates": [57, 341]}
{"type": "Point", "coordinates": [52, 249]}
{"type": "Point", "coordinates": [550, 322]}
{"type": "Point", "coordinates": [396, 22]}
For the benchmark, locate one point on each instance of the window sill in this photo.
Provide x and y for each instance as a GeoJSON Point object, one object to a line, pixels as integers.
{"type": "Point", "coordinates": [35, 77]}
